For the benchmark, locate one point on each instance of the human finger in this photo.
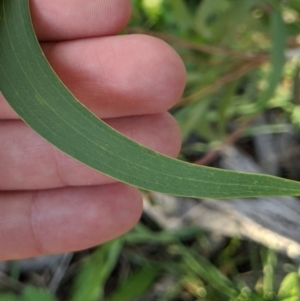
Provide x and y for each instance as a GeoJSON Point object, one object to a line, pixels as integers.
{"type": "Point", "coordinates": [28, 162]}
{"type": "Point", "coordinates": [66, 219]}
{"type": "Point", "coordinates": [76, 19]}
{"type": "Point", "coordinates": [117, 76]}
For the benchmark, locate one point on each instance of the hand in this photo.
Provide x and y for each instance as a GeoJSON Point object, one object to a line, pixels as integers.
{"type": "Point", "coordinates": [50, 203]}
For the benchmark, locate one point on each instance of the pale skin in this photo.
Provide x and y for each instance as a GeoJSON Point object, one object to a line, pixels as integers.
{"type": "Point", "coordinates": [50, 203]}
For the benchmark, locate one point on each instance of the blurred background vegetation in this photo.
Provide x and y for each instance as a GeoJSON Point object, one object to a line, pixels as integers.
{"type": "Point", "coordinates": [242, 61]}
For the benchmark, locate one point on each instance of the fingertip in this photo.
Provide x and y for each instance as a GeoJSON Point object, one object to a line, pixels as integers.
{"type": "Point", "coordinates": [74, 19]}
{"type": "Point", "coordinates": [154, 70]}
{"type": "Point", "coordinates": [173, 135]}
{"type": "Point", "coordinates": [88, 216]}
{"type": "Point", "coordinates": [168, 69]}
{"type": "Point", "coordinates": [66, 219]}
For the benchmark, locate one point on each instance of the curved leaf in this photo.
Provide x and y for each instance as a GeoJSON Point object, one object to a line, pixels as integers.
{"type": "Point", "coordinates": [43, 102]}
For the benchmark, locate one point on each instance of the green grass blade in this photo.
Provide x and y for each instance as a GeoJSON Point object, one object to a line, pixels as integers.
{"type": "Point", "coordinates": [208, 272]}
{"type": "Point", "coordinates": [30, 293]}
{"type": "Point", "coordinates": [289, 289]}
{"type": "Point", "coordinates": [136, 285]}
{"type": "Point", "coordinates": [34, 294]}
{"type": "Point", "coordinates": [277, 58]}
{"type": "Point", "coordinates": [34, 91]}
{"type": "Point", "coordinates": [92, 275]}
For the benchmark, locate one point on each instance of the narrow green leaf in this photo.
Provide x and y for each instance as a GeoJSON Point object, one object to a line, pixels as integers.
{"type": "Point", "coordinates": [268, 279]}
{"type": "Point", "coordinates": [30, 293]}
{"type": "Point", "coordinates": [34, 294]}
{"type": "Point", "coordinates": [34, 91]}
{"type": "Point", "coordinates": [92, 275]}
{"type": "Point", "coordinates": [207, 271]}
{"type": "Point", "coordinates": [289, 289]}
{"type": "Point", "coordinates": [135, 285]}
{"type": "Point", "coordinates": [277, 58]}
